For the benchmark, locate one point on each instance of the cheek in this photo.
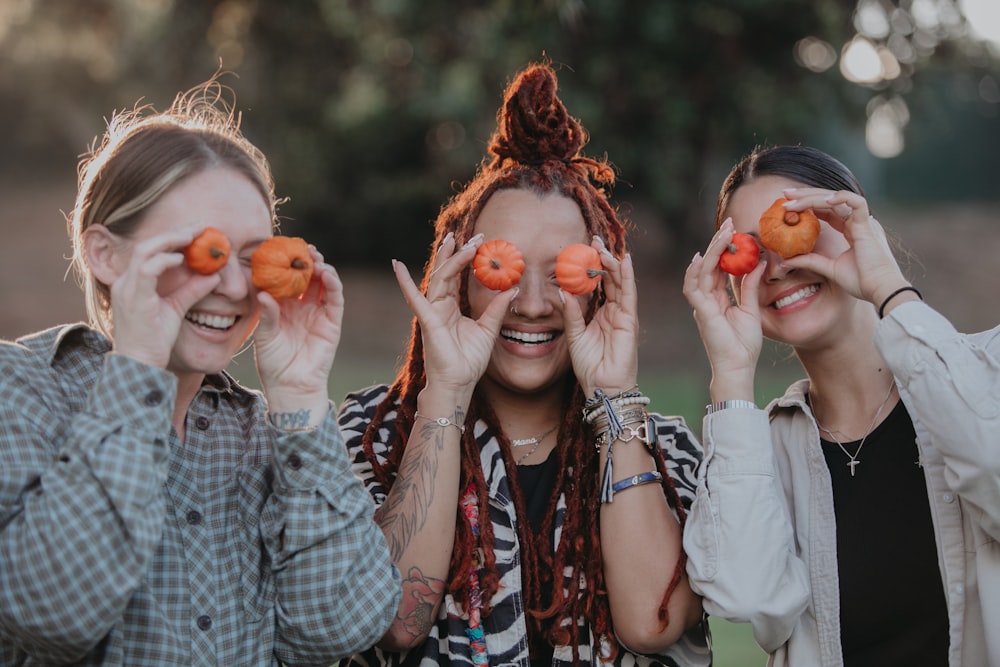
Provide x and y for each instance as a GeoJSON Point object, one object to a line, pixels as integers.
{"type": "Point", "coordinates": [479, 298]}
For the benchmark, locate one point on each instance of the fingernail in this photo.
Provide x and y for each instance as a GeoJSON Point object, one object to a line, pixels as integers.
{"type": "Point", "coordinates": [473, 241]}
{"type": "Point", "coordinates": [447, 236]}
{"type": "Point", "coordinates": [562, 295]}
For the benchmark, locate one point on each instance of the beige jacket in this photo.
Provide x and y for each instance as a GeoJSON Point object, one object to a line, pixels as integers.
{"type": "Point", "coordinates": [761, 535]}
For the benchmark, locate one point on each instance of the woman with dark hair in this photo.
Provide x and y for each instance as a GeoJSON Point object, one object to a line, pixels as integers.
{"type": "Point", "coordinates": [855, 520]}
{"type": "Point", "coordinates": [534, 511]}
{"type": "Point", "coordinates": [152, 510]}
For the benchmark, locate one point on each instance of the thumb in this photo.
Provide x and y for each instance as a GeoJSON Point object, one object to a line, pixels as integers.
{"type": "Point", "coordinates": [493, 316]}
{"type": "Point", "coordinates": [750, 289]}
{"type": "Point", "coordinates": [573, 324]}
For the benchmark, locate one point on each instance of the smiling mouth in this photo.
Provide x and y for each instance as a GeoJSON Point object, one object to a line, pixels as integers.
{"type": "Point", "coordinates": [527, 338]}
{"type": "Point", "coordinates": [217, 322]}
{"type": "Point", "coordinates": [795, 296]}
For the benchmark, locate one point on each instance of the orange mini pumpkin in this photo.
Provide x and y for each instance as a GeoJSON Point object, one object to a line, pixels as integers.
{"type": "Point", "coordinates": [208, 252]}
{"type": "Point", "coordinates": [578, 269]}
{"type": "Point", "coordinates": [282, 267]}
{"type": "Point", "coordinates": [498, 264]}
{"type": "Point", "coordinates": [740, 256]}
{"type": "Point", "coordinates": [788, 233]}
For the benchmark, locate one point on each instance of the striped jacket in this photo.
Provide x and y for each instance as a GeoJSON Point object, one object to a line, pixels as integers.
{"type": "Point", "coordinates": [506, 628]}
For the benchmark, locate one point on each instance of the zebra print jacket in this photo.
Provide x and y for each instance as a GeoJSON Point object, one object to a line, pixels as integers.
{"type": "Point", "coordinates": [506, 627]}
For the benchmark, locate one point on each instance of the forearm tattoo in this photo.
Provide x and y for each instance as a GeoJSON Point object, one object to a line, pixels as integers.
{"type": "Point", "coordinates": [420, 596]}
{"type": "Point", "coordinates": [405, 511]}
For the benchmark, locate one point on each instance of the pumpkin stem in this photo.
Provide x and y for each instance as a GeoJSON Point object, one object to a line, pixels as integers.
{"type": "Point", "coordinates": [298, 264]}
{"type": "Point", "coordinates": [494, 263]}
{"type": "Point", "coordinates": [731, 248]}
{"type": "Point", "coordinates": [216, 253]}
{"type": "Point", "coordinates": [791, 217]}
{"type": "Point", "coordinates": [593, 273]}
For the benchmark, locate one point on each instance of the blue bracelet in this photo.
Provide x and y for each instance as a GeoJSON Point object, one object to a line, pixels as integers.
{"type": "Point", "coordinates": [637, 480]}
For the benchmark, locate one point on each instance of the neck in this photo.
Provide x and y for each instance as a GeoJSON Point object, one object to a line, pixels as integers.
{"type": "Point", "coordinates": [846, 388]}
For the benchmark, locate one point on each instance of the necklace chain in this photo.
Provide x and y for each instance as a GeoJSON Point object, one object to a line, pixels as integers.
{"type": "Point", "coordinates": [534, 442]}
{"type": "Point", "coordinates": [854, 462]}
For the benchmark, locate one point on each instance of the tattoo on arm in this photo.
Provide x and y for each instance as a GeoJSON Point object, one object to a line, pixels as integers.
{"type": "Point", "coordinates": [404, 512]}
{"type": "Point", "coordinates": [421, 595]}
{"type": "Point", "coordinates": [291, 420]}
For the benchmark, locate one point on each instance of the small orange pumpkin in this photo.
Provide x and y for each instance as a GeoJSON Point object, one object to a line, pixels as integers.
{"type": "Point", "coordinates": [208, 252]}
{"type": "Point", "coordinates": [282, 267]}
{"type": "Point", "coordinates": [498, 264]}
{"type": "Point", "coordinates": [578, 269]}
{"type": "Point", "coordinates": [740, 256]}
{"type": "Point", "coordinates": [788, 233]}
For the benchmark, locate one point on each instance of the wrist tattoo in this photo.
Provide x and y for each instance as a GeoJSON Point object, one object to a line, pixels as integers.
{"type": "Point", "coordinates": [291, 421]}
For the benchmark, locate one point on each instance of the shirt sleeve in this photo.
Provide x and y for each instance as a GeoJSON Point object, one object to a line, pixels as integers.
{"type": "Point", "coordinates": [738, 535]}
{"type": "Point", "coordinates": [953, 381]}
{"type": "Point", "coordinates": [81, 504]}
{"type": "Point", "coordinates": [338, 591]}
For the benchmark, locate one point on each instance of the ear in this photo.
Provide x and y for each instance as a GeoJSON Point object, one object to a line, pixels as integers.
{"type": "Point", "coordinates": [100, 250]}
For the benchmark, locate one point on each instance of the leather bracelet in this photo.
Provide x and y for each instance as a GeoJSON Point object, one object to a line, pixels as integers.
{"type": "Point", "coordinates": [725, 405]}
{"type": "Point", "coordinates": [637, 480]}
{"type": "Point", "coordinates": [905, 288]}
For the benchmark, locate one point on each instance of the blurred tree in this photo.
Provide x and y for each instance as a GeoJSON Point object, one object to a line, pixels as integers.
{"type": "Point", "coordinates": [372, 109]}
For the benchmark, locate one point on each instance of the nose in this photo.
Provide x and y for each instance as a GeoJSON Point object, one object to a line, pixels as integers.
{"type": "Point", "coordinates": [776, 268]}
{"type": "Point", "coordinates": [536, 295]}
{"type": "Point", "coordinates": [235, 280]}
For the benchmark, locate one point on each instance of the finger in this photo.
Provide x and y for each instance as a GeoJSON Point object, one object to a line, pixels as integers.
{"type": "Point", "coordinates": [493, 317]}
{"type": "Point", "coordinates": [574, 325]}
{"type": "Point", "coordinates": [611, 266]}
{"type": "Point", "coordinates": [629, 297]}
{"type": "Point", "coordinates": [750, 289]}
{"type": "Point", "coordinates": [443, 279]}
{"type": "Point", "coordinates": [411, 293]}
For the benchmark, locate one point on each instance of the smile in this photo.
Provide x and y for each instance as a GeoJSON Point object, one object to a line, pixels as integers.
{"type": "Point", "coordinates": [220, 322]}
{"type": "Point", "coordinates": [527, 338]}
{"type": "Point", "coordinates": [795, 296]}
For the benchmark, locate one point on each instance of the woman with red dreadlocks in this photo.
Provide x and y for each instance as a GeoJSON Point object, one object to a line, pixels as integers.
{"type": "Point", "coordinates": [531, 503]}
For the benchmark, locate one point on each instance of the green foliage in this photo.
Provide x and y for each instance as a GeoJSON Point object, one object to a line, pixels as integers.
{"type": "Point", "coordinates": [373, 112]}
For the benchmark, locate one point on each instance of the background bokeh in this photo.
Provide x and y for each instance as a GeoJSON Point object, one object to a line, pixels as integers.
{"type": "Point", "coordinates": [372, 111]}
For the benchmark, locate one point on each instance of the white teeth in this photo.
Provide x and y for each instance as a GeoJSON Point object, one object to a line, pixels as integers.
{"type": "Point", "coordinates": [211, 321]}
{"type": "Point", "coordinates": [522, 337]}
{"type": "Point", "coordinates": [795, 296]}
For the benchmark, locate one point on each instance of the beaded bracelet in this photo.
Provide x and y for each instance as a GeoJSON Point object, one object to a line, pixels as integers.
{"type": "Point", "coordinates": [443, 422]}
{"type": "Point", "coordinates": [637, 480]}
{"type": "Point", "coordinates": [599, 396]}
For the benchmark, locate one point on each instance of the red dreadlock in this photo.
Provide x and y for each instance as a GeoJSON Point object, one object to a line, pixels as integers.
{"type": "Point", "coordinates": [536, 146]}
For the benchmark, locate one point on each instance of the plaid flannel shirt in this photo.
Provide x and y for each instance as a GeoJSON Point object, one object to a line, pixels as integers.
{"type": "Point", "coordinates": [119, 545]}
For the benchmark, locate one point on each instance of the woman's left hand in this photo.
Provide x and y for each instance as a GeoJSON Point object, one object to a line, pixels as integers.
{"type": "Point", "coordinates": [296, 340]}
{"type": "Point", "coordinates": [604, 351]}
{"type": "Point", "coordinates": [867, 269]}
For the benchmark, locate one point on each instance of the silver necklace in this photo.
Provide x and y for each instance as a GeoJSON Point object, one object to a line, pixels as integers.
{"type": "Point", "coordinates": [853, 462]}
{"type": "Point", "coordinates": [533, 441]}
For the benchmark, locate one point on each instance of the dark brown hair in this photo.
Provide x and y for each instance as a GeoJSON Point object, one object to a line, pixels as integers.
{"type": "Point", "coordinates": [536, 146]}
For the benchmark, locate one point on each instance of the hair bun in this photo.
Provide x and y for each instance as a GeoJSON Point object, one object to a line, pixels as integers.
{"type": "Point", "coordinates": [533, 125]}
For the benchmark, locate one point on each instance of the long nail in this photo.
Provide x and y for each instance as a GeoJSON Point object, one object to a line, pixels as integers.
{"type": "Point", "coordinates": [473, 241]}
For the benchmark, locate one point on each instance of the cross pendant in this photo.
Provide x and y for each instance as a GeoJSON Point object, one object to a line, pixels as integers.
{"type": "Point", "coordinates": [852, 463]}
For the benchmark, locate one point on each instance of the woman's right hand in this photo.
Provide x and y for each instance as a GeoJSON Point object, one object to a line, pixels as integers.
{"type": "Point", "coordinates": [146, 317]}
{"type": "Point", "coordinates": [731, 332]}
{"type": "Point", "coordinates": [457, 349]}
